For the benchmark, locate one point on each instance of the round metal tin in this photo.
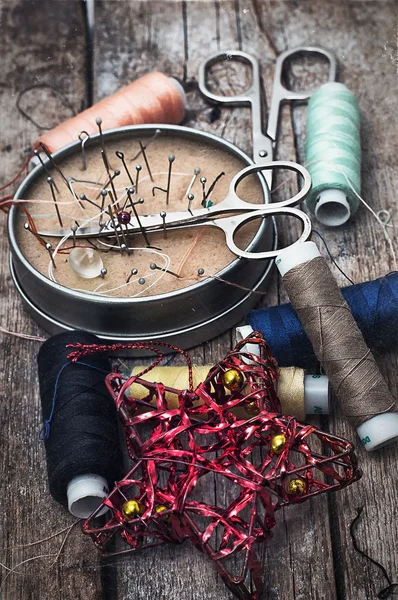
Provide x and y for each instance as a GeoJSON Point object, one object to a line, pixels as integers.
{"type": "Point", "coordinates": [183, 317]}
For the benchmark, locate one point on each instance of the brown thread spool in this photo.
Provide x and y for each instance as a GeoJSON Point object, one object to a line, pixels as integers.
{"type": "Point", "coordinates": [295, 388]}
{"type": "Point", "coordinates": [339, 345]}
{"type": "Point", "coordinates": [153, 98]}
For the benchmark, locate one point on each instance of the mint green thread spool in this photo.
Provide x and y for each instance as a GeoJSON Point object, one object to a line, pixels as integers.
{"type": "Point", "coordinates": [333, 153]}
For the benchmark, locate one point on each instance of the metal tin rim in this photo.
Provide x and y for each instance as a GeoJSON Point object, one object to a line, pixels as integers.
{"type": "Point", "coordinates": [139, 338]}
{"type": "Point", "coordinates": [185, 131]}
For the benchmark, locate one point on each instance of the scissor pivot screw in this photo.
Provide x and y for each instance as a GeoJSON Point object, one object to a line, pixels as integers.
{"type": "Point", "coordinates": [263, 153]}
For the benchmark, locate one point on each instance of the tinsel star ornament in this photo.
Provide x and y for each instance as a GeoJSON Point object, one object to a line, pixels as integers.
{"type": "Point", "coordinates": [264, 462]}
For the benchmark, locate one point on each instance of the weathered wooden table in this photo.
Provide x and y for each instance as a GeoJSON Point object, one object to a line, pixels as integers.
{"type": "Point", "coordinates": [45, 42]}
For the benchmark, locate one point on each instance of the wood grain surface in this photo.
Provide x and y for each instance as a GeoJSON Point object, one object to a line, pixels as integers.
{"type": "Point", "coordinates": [44, 42]}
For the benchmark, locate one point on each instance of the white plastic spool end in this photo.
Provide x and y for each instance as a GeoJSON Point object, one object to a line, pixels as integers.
{"type": "Point", "coordinates": [242, 333]}
{"type": "Point", "coordinates": [332, 208]}
{"type": "Point", "coordinates": [296, 255]}
{"type": "Point", "coordinates": [316, 394]}
{"type": "Point", "coordinates": [85, 494]}
{"type": "Point", "coordinates": [379, 431]}
{"type": "Point", "coordinates": [179, 88]}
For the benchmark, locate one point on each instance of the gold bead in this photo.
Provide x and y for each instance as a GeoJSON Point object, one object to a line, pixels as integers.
{"type": "Point", "coordinates": [233, 379]}
{"type": "Point", "coordinates": [296, 487]}
{"type": "Point", "coordinates": [252, 407]}
{"type": "Point", "coordinates": [131, 509]}
{"type": "Point", "coordinates": [278, 443]}
{"type": "Point", "coordinates": [160, 509]}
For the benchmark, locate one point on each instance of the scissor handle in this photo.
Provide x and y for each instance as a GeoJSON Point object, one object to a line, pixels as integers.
{"type": "Point", "coordinates": [262, 145]}
{"type": "Point", "coordinates": [281, 94]}
{"type": "Point", "coordinates": [239, 99]}
{"type": "Point", "coordinates": [232, 200]}
{"type": "Point", "coordinates": [231, 226]}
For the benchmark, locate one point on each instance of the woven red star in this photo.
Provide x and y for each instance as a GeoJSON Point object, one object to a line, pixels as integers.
{"type": "Point", "coordinates": [265, 462]}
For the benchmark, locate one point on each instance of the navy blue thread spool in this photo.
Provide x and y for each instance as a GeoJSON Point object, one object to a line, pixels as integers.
{"type": "Point", "coordinates": [374, 305]}
{"type": "Point", "coordinates": [81, 426]}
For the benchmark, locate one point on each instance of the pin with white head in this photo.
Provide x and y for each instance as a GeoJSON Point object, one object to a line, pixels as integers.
{"type": "Point", "coordinates": [196, 172]}
{"type": "Point", "coordinates": [133, 272]}
{"type": "Point", "coordinates": [138, 169]}
{"type": "Point", "coordinates": [49, 249]}
{"type": "Point", "coordinates": [74, 229]}
{"type": "Point", "coordinates": [163, 215]}
{"type": "Point", "coordinates": [203, 181]}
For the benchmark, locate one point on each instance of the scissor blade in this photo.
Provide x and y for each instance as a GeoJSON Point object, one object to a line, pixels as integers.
{"type": "Point", "coordinates": [150, 223]}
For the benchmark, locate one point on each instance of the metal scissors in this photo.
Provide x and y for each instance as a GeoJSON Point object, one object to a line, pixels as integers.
{"type": "Point", "coordinates": [237, 210]}
{"type": "Point", "coordinates": [263, 145]}
{"type": "Point", "coordinates": [232, 212]}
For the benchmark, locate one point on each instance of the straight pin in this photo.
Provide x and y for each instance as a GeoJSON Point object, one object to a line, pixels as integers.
{"type": "Point", "coordinates": [132, 273]}
{"type": "Point", "coordinates": [50, 182]}
{"type": "Point", "coordinates": [191, 198]}
{"type": "Point", "coordinates": [83, 141]}
{"type": "Point", "coordinates": [98, 121]}
{"type": "Point", "coordinates": [103, 194]}
{"type": "Point", "coordinates": [154, 267]}
{"type": "Point", "coordinates": [213, 185]}
{"type": "Point", "coordinates": [126, 241]}
{"type": "Point", "coordinates": [56, 167]}
{"type": "Point", "coordinates": [49, 248]}
{"type": "Point", "coordinates": [116, 173]}
{"type": "Point", "coordinates": [37, 236]}
{"type": "Point", "coordinates": [120, 155]}
{"type": "Point", "coordinates": [104, 271]}
{"type": "Point", "coordinates": [37, 154]}
{"type": "Point", "coordinates": [163, 216]}
{"type": "Point", "coordinates": [171, 160]}
{"type": "Point", "coordinates": [84, 197]}
{"type": "Point", "coordinates": [196, 172]}
{"type": "Point", "coordinates": [203, 182]}
{"type": "Point", "coordinates": [110, 212]}
{"type": "Point", "coordinates": [167, 190]}
{"type": "Point", "coordinates": [74, 229]}
{"type": "Point", "coordinates": [132, 204]}
{"type": "Point", "coordinates": [155, 135]}
{"type": "Point", "coordinates": [143, 148]}
{"type": "Point", "coordinates": [110, 178]}
{"type": "Point", "coordinates": [138, 169]}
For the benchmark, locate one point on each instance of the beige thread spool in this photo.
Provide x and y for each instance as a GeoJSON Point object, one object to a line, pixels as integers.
{"type": "Point", "coordinates": [339, 345]}
{"type": "Point", "coordinates": [300, 394]}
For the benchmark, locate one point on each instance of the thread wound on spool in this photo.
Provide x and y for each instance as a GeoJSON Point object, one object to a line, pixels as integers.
{"type": "Point", "coordinates": [374, 305]}
{"type": "Point", "coordinates": [83, 439]}
{"type": "Point", "coordinates": [291, 387]}
{"type": "Point", "coordinates": [333, 153]}
{"type": "Point", "coordinates": [338, 342]}
{"type": "Point", "coordinates": [153, 98]}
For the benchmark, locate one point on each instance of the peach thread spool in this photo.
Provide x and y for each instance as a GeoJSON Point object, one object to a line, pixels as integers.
{"type": "Point", "coordinates": [153, 98]}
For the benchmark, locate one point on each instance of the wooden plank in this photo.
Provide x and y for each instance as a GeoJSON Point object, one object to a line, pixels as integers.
{"type": "Point", "coordinates": [143, 35]}
{"type": "Point", "coordinates": [212, 27]}
{"type": "Point", "coordinates": [360, 34]}
{"type": "Point", "coordinates": [41, 43]}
